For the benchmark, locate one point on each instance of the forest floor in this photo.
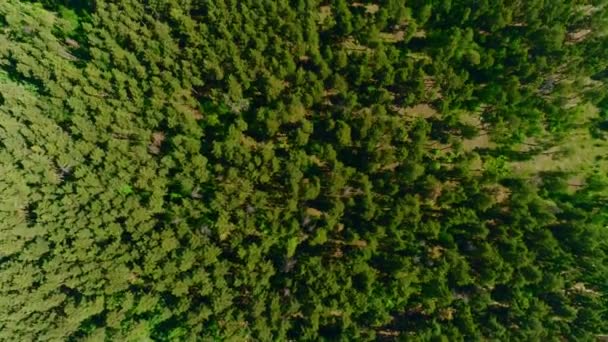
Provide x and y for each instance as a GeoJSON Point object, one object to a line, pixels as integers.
{"type": "Point", "coordinates": [578, 154]}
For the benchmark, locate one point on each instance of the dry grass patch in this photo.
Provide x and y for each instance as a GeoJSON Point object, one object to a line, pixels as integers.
{"type": "Point", "coordinates": [324, 13]}
{"type": "Point", "coordinates": [369, 8]}
{"type": "Point", "coordinates": [422, 110]}
{"type": "Point", "coordinates": [392, 37]}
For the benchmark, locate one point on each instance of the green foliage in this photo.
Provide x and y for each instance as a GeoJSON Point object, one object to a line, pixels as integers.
{"type": "Point", "coordinates": [262, 170]}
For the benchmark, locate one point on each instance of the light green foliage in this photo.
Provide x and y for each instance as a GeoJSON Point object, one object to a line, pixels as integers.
{"type": "Point", "coordinates": [249, 170]}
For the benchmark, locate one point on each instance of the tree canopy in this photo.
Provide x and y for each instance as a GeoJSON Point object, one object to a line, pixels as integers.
{"type": "Point", "coordinates": [276, 170]}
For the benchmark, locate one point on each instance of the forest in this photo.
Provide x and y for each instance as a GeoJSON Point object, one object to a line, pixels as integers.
{"type": "Point", "coordinates": [303, 170]}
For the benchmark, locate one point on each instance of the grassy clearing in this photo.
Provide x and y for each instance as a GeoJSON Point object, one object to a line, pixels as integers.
{"type": "Point", "coordinates": [324, 13]}
{"type": "Point", "coordinates": [422, 110]}
{"type": "Point", "coordinates": [578, 153]}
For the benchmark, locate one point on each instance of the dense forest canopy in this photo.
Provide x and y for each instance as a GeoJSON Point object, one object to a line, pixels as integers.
{"type": "Point", "coordinates": [272, 170]}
